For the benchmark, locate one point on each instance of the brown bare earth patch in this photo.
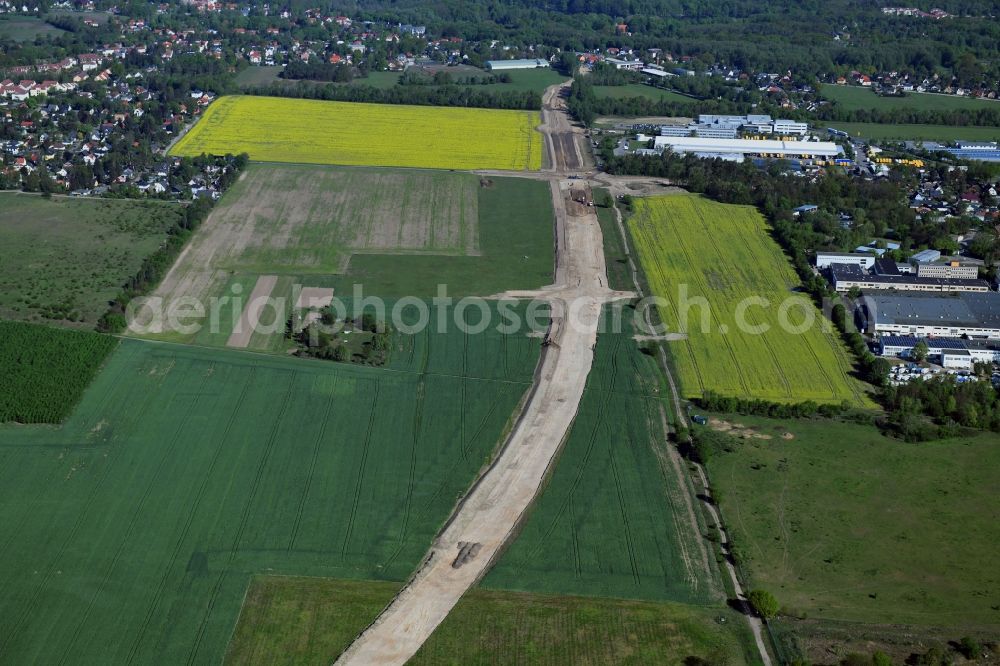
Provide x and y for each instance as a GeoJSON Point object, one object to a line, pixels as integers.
{"type": "Point", "coordinates": [241, 335]}
{"type": "Point", "coordinates": [737, 429]}
{"type": "Point", "coordinates": [314, 297]}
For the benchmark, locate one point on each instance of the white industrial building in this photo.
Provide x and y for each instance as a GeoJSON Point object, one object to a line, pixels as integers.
{"type": "Point", "coordinates": [824, 259]}
{"type": "Point", "coordinates": [972, 314]}
{"type": "Point", "coordinates": [633, 65]}
{"type": "Point", "coordinates": [524, 63]}
{"type": "Point", "coordinates": [949, 352]}
{"type": "Point", "coordinates": [756, 123]}
{"type": "Point", "coordinates": [748, 147]}
{"type": "Point", "coordinates": [845, 277]}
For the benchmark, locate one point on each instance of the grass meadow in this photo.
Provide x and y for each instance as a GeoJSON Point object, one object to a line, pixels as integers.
{"type": "Point", "coordinates": [64, 259]}
{"type": "Point", "coordinates": [131, 533]}
{"type": "Point", "coordinates": [855, 97]}
{"type": "Point", "coordinates": [26, 28]}
{"type": "Point", "coordinates": [843, 524]}
{"type": "Point", "coordinates": [487, 627]}
{"type": "Point", "coordinates": [273, 129]}
{"type": "Point", "coordinates": [941, 133]}
{"type": "Point", "coordinates": [721, 255]}
{"type": "Point", "coordinates": [641, 90]}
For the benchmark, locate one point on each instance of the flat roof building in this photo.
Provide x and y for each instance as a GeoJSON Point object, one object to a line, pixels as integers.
{"type": "Point", "coordinates": [949, 351]}
{"type": "Point", "coordinates": [925, 256]}
{"type": "Point", "coordinates": [845, 277]}
{"type": "Point", "coordinates": [951, 269]}
{"type": "Point", "coordinates": [975, 314]}
{"type": "Point", "coordinates": [524, 63]}
{"type": "Point", "coordinates": [824, 259]}
{"type": "Point", "coordinates": [749, 147]}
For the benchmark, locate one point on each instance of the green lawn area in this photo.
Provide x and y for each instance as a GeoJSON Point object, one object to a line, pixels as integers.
{"type": "Point", "coordinates": [841, 523]}
{"type": "Point", "coordinates": [65, 258]}
{"type": "Point", "coordinates": [856, 97]}
{"type": "Point", "coordinates": [310, 621]}
{"type": "Point", "coordinates": [641, 90]}
{"type": "Point", "coordinates": [525, 79]}
{"type": "Point", "coordinates": [25, 28]}
{"type": "Point", "coordinates": [132, 532]}
{"type": "Point", "coordinates": [940, 133]}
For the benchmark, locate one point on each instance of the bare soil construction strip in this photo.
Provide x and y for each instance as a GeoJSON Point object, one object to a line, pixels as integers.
{"type": "Point", "coordinates": [490, 513]}
{"type": "Point", "coordinates": [241, 335]}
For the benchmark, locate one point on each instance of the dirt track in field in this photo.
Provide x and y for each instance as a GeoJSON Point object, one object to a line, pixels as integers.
{"type": "Point", "coordinates": [240, 337]}
{"type": "Point", "coordinates": [492, 510]}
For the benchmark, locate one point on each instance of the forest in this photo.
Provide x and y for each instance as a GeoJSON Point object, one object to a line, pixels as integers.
{"type": "Point", "coordinates": [807, 38]}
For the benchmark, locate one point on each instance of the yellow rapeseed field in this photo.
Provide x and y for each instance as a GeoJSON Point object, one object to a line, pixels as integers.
{"type": "Point", "coordinates": [276, 129]}
{"type": "Point", "coordinates": [729, 286]}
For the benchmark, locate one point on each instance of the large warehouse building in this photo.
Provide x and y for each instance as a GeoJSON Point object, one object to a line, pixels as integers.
{"type": "Point", "coordinates": [748, 147]}
{"type": "Point", "coordinates": [975, 314]}
{"type": "Point", "coordinates": [524, 63]}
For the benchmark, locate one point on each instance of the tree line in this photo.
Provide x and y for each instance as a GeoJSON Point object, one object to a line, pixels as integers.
{"type": "Point", "coordinates": [448, 95]}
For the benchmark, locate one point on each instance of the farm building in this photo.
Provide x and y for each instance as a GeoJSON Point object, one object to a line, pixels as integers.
{"type": "Point", "coordinates": [524, 63]}
{"type": "Point", "coordinates": [748, 147]}
{"type": "Point", "coordinates": [975, 314]}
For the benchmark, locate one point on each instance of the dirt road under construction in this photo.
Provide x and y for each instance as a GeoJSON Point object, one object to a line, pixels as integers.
{"type": "Point", "coordinates": [490, 513]}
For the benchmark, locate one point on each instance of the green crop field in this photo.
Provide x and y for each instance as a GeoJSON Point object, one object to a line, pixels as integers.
{"type": "Point", "coordinates": [726, 283]}
{"type": "Point", "coordinates": [840, 523]}
{"type": "Point", "coordinates": [616, 519]}
{"type": "Point", "coordinates": [131, 533]}
{"type": "Point", "coordinates": [856, 97]}
{"type": "Point", "coordinates": [394, 232]}
{"type": "Point", "coordinates": [940, 133]}
{"type": "Point", "coordinates": [641, 90]}
{"type": "Point", "coordinates": [64, 259]}
{"type": "Point", "coordinates": [44, 371]}
{"type": "Point", "coordinates": [309, 621]}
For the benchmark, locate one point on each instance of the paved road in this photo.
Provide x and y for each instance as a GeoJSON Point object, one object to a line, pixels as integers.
{"type": "Point", "coordinates": [499, 500]}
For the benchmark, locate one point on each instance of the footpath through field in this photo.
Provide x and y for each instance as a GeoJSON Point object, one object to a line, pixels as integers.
{"type": "Point", "coordinates": [489, 515]}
